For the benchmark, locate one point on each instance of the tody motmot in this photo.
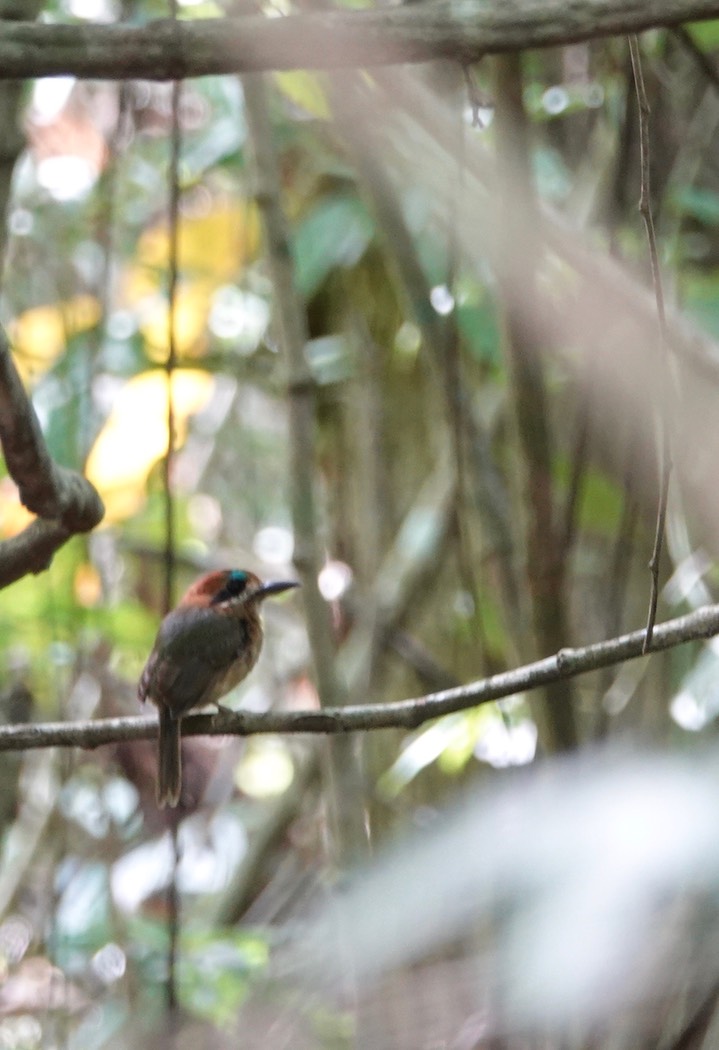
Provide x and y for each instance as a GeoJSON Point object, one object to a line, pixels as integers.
{"type": "Point", "coordinates": [203, 649]}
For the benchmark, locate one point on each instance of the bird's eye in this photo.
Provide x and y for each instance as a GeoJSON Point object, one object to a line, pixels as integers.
{"type": "Point", "coordinates": [234, 587]}
{"type": "Point", "coordinates": [236, 583]}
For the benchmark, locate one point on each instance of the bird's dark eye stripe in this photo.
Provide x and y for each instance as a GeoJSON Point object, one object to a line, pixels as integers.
{"type": "Point", "coordinates": [235, 585]}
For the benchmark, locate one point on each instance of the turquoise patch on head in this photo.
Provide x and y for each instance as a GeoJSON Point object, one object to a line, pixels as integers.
{"type": "Point", "coordinates": [235, 585]}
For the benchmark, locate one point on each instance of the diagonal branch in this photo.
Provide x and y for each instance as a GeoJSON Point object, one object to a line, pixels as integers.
{"type": "Point", "coordinates": [45, 488]}
{"type": "Point", "coordinates": [65, 502]}
{"type": "Point", "coordinates": [464, 32]}
{"type": "Point", "coordinates": [399, 714]}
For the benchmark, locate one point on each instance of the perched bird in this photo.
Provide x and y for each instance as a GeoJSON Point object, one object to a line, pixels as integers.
{"type": "Point", "coordinates": [204, 647]}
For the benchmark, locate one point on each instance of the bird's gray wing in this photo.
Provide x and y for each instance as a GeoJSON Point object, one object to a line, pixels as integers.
{"type": "Point", "coordinates": [192, 653]}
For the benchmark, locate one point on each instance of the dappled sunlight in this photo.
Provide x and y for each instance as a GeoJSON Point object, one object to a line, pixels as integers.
{"type": "Point", "coordinates": [190, 321]}
{"type": "Point", "coordinates": [214, 243]}
{"type": "Point", "coordinates": [40, 335]}
{"type": "Point", "coordinates": [134, 436]}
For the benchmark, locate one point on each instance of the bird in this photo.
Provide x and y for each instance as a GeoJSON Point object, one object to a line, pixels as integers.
{"type": "Point", "coordinates": [203, 649]}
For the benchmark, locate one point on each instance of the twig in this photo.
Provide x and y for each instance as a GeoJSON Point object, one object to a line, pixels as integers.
{"type": "Point", "coordinates": [398, 714]}
{"type": "Point", "coordinates": [665, 461]}
{"type": "Point", "coordinates": [173, 894]}
{"type": "Point", "coordinates": [325, 39]}
{"type": "Point", "coordinates": [171, 362]}
{"type": "Point", "coordinates": [473, 97]}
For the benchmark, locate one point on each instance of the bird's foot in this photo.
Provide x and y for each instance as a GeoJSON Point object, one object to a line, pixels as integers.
{"type": "Point", "coordinates": [222, 712]}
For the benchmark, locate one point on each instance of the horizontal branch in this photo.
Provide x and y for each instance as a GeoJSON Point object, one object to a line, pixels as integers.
{"type": "Point", "coordinates": [462, 30]}
{"type": "Point", "coordinates": [400, 714]}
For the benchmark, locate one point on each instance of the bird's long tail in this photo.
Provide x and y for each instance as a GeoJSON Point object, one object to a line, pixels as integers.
{"type": "Point", "coordinates": [169, 763]}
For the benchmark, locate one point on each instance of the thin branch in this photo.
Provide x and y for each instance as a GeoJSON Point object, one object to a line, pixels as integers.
{"type": "Point", "coordinates": [399, 714]}
{"type": "Point", "coordinates": [326, 39]}
{"type": "Point", "coordinates": [171, 362]}
{"type": "Point", "coordinates": [645, 209]}
{"type": "Point", "coordinates": [173, 894]}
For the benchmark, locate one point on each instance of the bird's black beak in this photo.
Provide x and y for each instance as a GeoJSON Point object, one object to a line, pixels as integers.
{"type": "Point", "coordinates": [275, 587]}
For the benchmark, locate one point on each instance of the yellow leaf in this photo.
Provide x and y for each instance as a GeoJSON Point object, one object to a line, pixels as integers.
{"type": "Point", "coordinates": [134, 436]}
{"type": "Point", "coordinates": [39, 335]}
{"type": "Point", "coordinates": [215, 244]}
{"type": "Point", "coordinates": [192, 304]}
{"type": "Point", "coordinates": [139, 284]}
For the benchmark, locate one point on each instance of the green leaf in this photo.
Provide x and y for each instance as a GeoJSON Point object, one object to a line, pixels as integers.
{"type": "Point", "coordinates": [700, 295]}
{"type": "Point", "coordinates": [698, 203]}
{"type": "Point", "coordinates": [552, 177]}
{"type": "Point", "coordinates": [479, 324]}
{"type": "Point", "coordinates": [705, 34]}
{"type": "Point", "coordinates": [216, 969]}
{"type": "Point", "coordinates": [601, 498]}
{"type": "Point", "coordinates": [334, 234]}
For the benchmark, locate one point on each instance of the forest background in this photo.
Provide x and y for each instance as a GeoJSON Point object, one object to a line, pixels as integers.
{"type": "Point", "coordinates": [435, 301]}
